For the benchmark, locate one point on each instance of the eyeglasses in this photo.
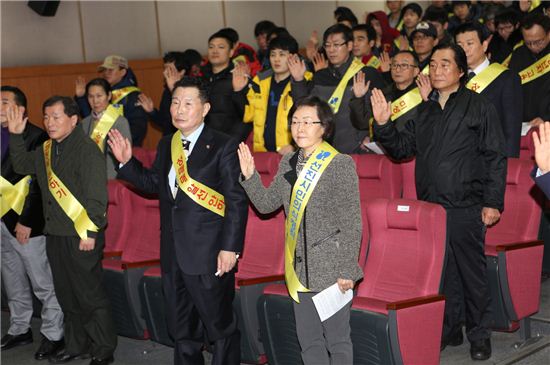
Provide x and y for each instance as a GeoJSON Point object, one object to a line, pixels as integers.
{"type": "Point", "coordinates": [402, 66]}
{"type": "Point", "coordinates": [501, 28]}
{"type": "Point", "coordinates": [536, 43]}
{"type": "Point", "coordinates": [334, 45]}
{"type": "Point", "coordinates": [420, 37]}
{"type": "Point", "coordinates": [306, 123]}
{"type": "Point", "coordinates": [444, 66]}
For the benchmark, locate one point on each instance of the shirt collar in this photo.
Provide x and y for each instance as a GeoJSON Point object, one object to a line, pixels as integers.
{"type": "Point", "coordinates": [193, 137]}
{"type": "Point", "coordinates": [481, 67]}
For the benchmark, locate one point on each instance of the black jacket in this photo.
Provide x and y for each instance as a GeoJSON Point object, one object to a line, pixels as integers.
{"type": "Point", "coordinates": [225, 115]}
{"type": "Point", "coordinates": [361, 109]}
{"type": "Point", "coordinates": [536, 93]}
{"type": "Point", "coordinates": [32, 215]}
{"type": "Point", "coordinates": [460, 159]}
{"type": "Point", "coordinates": [161, 116]}
{"type": "Point", "coordinates": [499, 49]}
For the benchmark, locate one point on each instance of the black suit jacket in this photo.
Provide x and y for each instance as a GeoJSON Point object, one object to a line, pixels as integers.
{"type": "Point", "coordinates": [32, 215]}
{"type": "Point", "coordinates": [192, 233]}
{"type": "Point", "coordinates": [506, 95]}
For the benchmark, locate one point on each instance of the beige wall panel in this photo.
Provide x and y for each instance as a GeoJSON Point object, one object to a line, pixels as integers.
{"type": "Point", "coordinates": [243, 16]}
{"type": "Point", "coordinates": [302, 17]}
{"type": "Point", "coordinates": [30, 39]}
{"type": "Point", "coordinates": [188, 24]}
{"type": "Point", "coordinates": [118, 27]}
{"type": "Point", "coordinates": [360, 7]}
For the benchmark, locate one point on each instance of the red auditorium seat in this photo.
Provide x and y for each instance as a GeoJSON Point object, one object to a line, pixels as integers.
{"type": "Point", "coordinates": [118, 217]}
{"type": "Point", "coordinates": [145, 156]}
{"type": "Point", "coordinates": [514, 255]}
{"type": "Point", "coordinates": [527, 146]}
{"type": "Point", "coordinates": [397, 315]}
{"type": "Point", "coordinates": [122, 275]}
{"type": "Point", "coordinates": [378, 177]}
{"type": "Point", "coordinates": [267, 164]}
{"type": "Point", "coordinates": [409, 183]}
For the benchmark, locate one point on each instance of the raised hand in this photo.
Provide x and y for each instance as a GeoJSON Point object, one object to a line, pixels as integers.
{"type": "Point", "coordinates": [171, 76]}
{"type": "Point", "coordinates": [404, 43]}
{"type": "Point", "coordinates": [240, 77]}
{"type": "Point", "coordinates": [385, 61]}
{"type": "Point", "coordinates": [146, 103]}
{"type": "Point", "coordinates": [424, 85]}
{"type": "Point", "coordinates": [360, 88]}
{"type": "Point", "coordinates": [120, 146]}
{"type": "Point", "coordinates": [542, 147]}
{"type": "Point", "coordinates": [80, 86]}
{"type": "Point", "coordinates": [297, 67]}
{"type": "Point", "coordinates": [311, 45]}
{"type": "Point", "coordinates": [246, 160]}
{"type": "Point", "coordinates": [319, 61]}
{"type": "Point", "coordinates": [381, 109]}
{"type": "Point", "coordinates": [16, 119]}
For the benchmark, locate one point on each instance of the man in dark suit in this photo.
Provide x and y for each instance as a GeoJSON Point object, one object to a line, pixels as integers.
{"type": "Point", "coordinates": [24, 245]}
{"type": "Point", "coordinates": [498, 84]}
{"type": "Point", "coordinates": [199, 241]}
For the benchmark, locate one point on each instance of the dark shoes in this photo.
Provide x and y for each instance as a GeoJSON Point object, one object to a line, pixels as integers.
{"type": "Point", "coordinates": [63, 357]}
{"type": "Point", "coordinates": [48, 348]}
{"type": "Point", "coordinates": [456, 340]}
{"type": "Point", "coordinates": [9, 341]}
{"type": "Point", "coordinates": [480, 349]}
{"type": "Point", "coordinates": [105, 361]}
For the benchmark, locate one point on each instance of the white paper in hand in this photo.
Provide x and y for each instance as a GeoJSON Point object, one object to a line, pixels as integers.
{"type": "Point", "coordinates": [330, 301]}
{"type": "Point", "coordinates": [374, 147]}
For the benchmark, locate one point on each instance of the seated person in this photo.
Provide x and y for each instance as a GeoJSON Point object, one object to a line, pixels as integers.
{"type": "Point", "coordinates": [364, 39]}
{"type": "Point", "coordinates": [344, 15]}
{"type": "Point", "coordinates": [103, 118]}
{"type": "Point", "coordinates": [261, 31]}
{"type": "Point", "coordinates": [507, 37]}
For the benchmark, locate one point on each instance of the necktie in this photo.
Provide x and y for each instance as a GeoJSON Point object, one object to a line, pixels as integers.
{"type": "Point", "coordinates": [471, 75]}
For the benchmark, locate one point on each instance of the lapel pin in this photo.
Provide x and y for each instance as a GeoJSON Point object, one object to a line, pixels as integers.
{"type": "Point", "coordinates": [207, 146]}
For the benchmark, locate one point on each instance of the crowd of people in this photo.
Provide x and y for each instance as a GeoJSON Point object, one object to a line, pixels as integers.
{"type": "Point", "coordinates": [451, 85]}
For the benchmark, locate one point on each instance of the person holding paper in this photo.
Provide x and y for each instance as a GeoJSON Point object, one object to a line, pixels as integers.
{"type": "Point", "coordinates": [323, 226]}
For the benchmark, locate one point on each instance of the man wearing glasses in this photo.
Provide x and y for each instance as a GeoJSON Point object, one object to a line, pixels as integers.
{"type": "Point", "coordinates": [532, 62]}
{"type": "Point", "coordinates": [334, 83]}
{"type": "Point", "coordinates": [461, 165]}
{"type": "Point", "coordinates": [402, 92]}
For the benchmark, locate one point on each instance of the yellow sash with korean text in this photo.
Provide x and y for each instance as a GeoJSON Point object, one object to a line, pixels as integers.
{"type": "Point", "coordinates": [506, 62]}
{"type": "Point", "coordinates": [104, 125]}
{"type": "Point", "coordinates": [119, 94]}
{"type": "Point", "coordinates": [336, 98]}
{"type": "Point", "coordinates": [13, 196]}
{"type": "Point", "coordinates": [66, 200]}
{"type": "Point", "coordinates": [479, 82]}
{"type": "Point", "coordinates": [406, 102]}
{"type": "Point", "coordinates": [374, 62]}
{"type": "Point", "coordinates": [301, 192]}
{"type": "Point", "coordinates": [536, 70]}
{"type": "Point", "coordinates": [198, 192]}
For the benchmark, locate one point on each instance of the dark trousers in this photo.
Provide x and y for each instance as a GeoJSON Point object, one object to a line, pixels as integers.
{"type": "Point", "coordinates": [199, 310]}
{"type": "Point", "coordinates": [466, 287]}
{"type": "Point", "coordinates": [77, 280]}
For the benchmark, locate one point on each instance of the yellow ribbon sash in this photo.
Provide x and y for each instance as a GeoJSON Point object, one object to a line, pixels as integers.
{"type": "Point", "coordinates": [119, 94]}
{"type": "Point", "coordinates": [426, 69]}
{"type": "Point", "coordinates": [405, 103]}
{"type": "Point", "coordinates": [301, 192]}
{"type": "Point", "coordinates": [198, 192]}
{"type": "Point", "coordinates": [506, 62]}
{"type": "Point", "coordinates": [66, 200]}
{"type": "Point", "coordinates": [105, 124]}
{"type": "Point", "coordinates": [399, 26]}
{"type": "Point", "coordinates": [336, 98]}
{"type": "Point", "coordinates": [13, 196]}
{"type": "Point", "coordinates": [480, 81]}
{"type": "Point", "coordinates": [374, 62]}
{"type": "Point", "coordinates": [536, 70]}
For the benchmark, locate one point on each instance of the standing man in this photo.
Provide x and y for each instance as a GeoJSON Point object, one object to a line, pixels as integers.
{"type": "Point", "coordinates": [424, 39]}
{"type": "Point", "coordinates": [71, 173]}
{"type": "Point", "coordinates": [24, 244]}
{"type": "Point", "coordinates": [333, 84]}
{"type": "Point", "coordinates": [494, 81]}
{"type": "Point", "coordinates": [460, 164]}
{"type": "Point", "coordinates": [532, 62]}
{"type": "Point", "coordinates": [203, 217]}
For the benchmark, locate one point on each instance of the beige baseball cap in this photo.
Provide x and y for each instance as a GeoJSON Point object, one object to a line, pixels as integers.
{"type": "Point", "coordinates": [113, 61]}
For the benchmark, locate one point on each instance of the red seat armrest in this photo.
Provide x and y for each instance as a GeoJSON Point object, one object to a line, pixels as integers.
{"type": "Point", "coordinates": [414, 302]}
{"type": "Point", "coordinates": [260, 280]}
{"type": "Point", "coordinates": [140, 264]}
{"type": "Point", "coordinates": [110, 254]}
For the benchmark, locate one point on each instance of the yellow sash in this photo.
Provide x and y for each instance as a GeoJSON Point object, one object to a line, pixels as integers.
{"type": "Point", "coordinates": [13, 196]}
{"type": "Point", "coordinates": [397, 42]}
{"type": "Point", "coordinates": [480, 81]}
{"type": "Point", "coordinates": [537, 69]}
{"type": "Point", "coordinates": [201, 194]}
{"type": "Point", "coordinates": [399, 26]}
{"type": "Point", "coordinates": [534, 4]}
{"type": "Point", "coordinates": [66, 200]}
{"type": "Point", "coordinates": [506, 62]}
{"type": "Point", "coordinates": [104, 125]}
{"type": "Point", "coordinates": [301, 192]}
{"type": "Point", "coordinates": [426, 69]}
{"type": "Point", "coordinates": [374, 62]}
{"type": "Point", "coordinates": [406, 102]}
{"type": "Point", "coordinates": [336, 98]}
{"type": "Point", "coordinates": [119, 94]}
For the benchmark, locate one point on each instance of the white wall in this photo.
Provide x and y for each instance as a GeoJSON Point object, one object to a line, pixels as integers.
{"type": "Point", "coordinates": [87, 31]}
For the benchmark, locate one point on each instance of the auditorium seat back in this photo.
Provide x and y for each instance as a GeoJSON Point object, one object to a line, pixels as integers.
{"type": "Point", "coordinates": [145, 156]}
{"type": "Point", "coordinates": [267, 164]}
{"type": "Point", "coordinates": [378, 177]}
{"type": "Point", "coordinates": [409, 183]}
{"type": "Point", "coordinates": [118, 216]}
{"type": "Point", "coordinates": [527, 146]}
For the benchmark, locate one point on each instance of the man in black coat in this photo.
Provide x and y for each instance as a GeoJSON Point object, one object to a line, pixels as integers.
{"type": "Point", "coordinates": [199, 244]}
{"type": "Point", "coordinates": [501, 86]}
{"type": "Point", "coordinates": [24, 246]}
{"type": "Point", "coordinates": [460, 164]}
